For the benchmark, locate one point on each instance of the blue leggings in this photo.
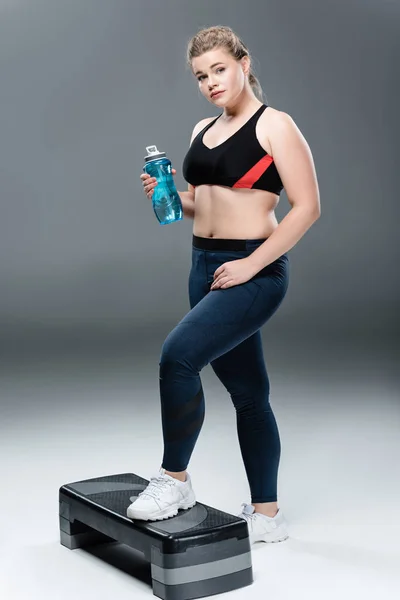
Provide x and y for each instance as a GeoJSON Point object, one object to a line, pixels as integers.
{"type": "Point", "coordinates": [223, 329]}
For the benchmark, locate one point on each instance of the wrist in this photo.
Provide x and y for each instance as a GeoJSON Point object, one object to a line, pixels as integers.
{"type": "Point", "coordinates": [254, 263]}
{"type": "Point", "coordinates": [187, 200]}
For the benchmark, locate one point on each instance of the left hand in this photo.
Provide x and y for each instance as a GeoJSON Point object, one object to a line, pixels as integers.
{"type": "Point", "coordinates": [232, 273]}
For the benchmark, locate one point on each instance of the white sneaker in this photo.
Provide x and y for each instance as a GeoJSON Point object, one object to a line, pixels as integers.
{"type": "Point", "coordinates": [263, 528]}
{"type": "Point", "coordinates": [162, 498]}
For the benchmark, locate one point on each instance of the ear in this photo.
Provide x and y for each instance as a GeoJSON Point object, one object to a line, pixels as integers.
{"type": "Point", "coordinates": [246, 65]}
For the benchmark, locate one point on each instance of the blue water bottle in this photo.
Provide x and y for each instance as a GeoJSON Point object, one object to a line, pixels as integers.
{"type": "Point", "coordinates": [167, 204]}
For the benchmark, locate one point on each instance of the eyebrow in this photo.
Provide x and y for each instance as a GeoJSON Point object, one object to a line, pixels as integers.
{"type": "Point", "coordinates": [212, 66]}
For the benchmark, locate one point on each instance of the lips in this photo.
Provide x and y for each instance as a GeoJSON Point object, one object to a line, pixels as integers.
{"type": "Point", "coordinates": [217, 93]}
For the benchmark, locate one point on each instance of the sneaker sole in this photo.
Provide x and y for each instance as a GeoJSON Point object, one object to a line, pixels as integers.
{"type": "Point", "coordinates": [271, 538]}
{"type": "Point", "coordinates": [165, 514]}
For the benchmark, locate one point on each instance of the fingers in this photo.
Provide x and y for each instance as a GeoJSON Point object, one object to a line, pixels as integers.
{"type": "Point", "coordinates": [149, 183]}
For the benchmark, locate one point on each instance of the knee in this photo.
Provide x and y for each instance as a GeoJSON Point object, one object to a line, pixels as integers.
{"type": "Point", "coordinates": [174, 354]}
{"type": "Point", "coordinates": [251, 400]}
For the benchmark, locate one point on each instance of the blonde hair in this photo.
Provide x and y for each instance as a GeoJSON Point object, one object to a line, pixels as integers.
{"type": "Point", "coordinates": [221, 36]}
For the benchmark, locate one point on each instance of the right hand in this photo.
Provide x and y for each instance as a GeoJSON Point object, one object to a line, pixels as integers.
{"type": "Point", "coordinates": [149, 183]}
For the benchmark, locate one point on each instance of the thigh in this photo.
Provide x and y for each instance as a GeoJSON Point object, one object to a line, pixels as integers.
{"type": "Point", "coordinates": [199, 280]}
{"type": "Point", "coordinates": [243, 368]}
{"type": "Point", "coordinates": [221, 320]}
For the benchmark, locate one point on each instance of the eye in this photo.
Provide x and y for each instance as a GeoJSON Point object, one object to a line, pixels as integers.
{"type": "Point", "coordinates": [219, 69]}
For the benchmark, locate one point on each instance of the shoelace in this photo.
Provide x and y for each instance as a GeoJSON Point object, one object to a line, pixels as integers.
{"type": "Point", "coordinates": [155, 486]}
{"type": "Point", "coordinates": [248, 517]}
{"type": "Point", "coordinates": [269, 525]}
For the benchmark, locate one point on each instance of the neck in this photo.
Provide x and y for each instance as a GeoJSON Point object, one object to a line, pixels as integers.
{"type": "Point", "coordinates": [244, 106]}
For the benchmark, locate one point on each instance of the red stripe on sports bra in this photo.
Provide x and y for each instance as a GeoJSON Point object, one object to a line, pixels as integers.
{"type": "Point", "coordinates": [249, 178]}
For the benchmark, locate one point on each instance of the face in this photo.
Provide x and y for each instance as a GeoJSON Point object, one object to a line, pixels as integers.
{"type": "Point", "coordinates": [218, 71]}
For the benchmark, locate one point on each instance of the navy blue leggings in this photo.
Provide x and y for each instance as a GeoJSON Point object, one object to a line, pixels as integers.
{"type": "Point", "coordinates": [223, 329]}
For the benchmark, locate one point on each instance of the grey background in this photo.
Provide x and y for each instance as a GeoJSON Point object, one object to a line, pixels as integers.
{"type": "Point", "coordinates": [85, 86]}
{"type": "Point", "coordinates": [91, 284]}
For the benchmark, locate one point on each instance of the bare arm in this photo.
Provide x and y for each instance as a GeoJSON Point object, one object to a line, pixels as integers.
{"type": "Point", "coordinates": [295, 165]}
{"type": "Point", "coordinates": [187, 199]}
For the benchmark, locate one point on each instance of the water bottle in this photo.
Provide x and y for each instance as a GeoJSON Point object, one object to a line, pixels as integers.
{"type": "Point", "coordinates": [166, 202]}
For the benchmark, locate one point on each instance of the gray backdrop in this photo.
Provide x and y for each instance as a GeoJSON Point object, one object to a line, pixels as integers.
{"type": "Point", "coordinates": [91, 284]}
{"type": "Point", "coordinates": [86, 85]}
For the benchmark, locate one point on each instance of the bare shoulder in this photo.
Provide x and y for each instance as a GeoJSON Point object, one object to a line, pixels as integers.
{"type": "Point", "coordinates": [276, 125]}
{"type": "Point", "coordinates": [275, 117]}
{"type": "Point", "coordinates": [294, 161]}
{"type": "Point", "coordinates": [199, 126]}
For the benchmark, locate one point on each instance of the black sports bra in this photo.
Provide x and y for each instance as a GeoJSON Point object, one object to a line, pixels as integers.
{"type": "Point", "coordinates": [239, 162]}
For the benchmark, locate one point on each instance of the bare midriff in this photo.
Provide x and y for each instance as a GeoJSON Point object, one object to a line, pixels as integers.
{"type": "Point", "coordinates": [223, 212]}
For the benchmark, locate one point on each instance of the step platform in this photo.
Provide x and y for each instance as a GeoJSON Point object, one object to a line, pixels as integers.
{"type": "Point", "coordinates": [200, 552]}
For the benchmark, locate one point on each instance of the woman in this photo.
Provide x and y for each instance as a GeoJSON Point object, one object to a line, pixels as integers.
{"type": "Point", "coordinates": [236, 166]}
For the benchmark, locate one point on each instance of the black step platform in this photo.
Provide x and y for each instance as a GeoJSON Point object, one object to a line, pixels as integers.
{"type": "Point", "coordinates": [200, 552]}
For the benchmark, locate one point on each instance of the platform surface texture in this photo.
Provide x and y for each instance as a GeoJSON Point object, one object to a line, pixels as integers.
{"type": "Point", "coordinates": [201, 551]}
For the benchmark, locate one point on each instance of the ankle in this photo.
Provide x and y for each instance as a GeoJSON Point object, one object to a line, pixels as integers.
{"type": "Point", "coordinates": [268, 509]}
{"type": "Point", "coordinates": [180, 475]}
